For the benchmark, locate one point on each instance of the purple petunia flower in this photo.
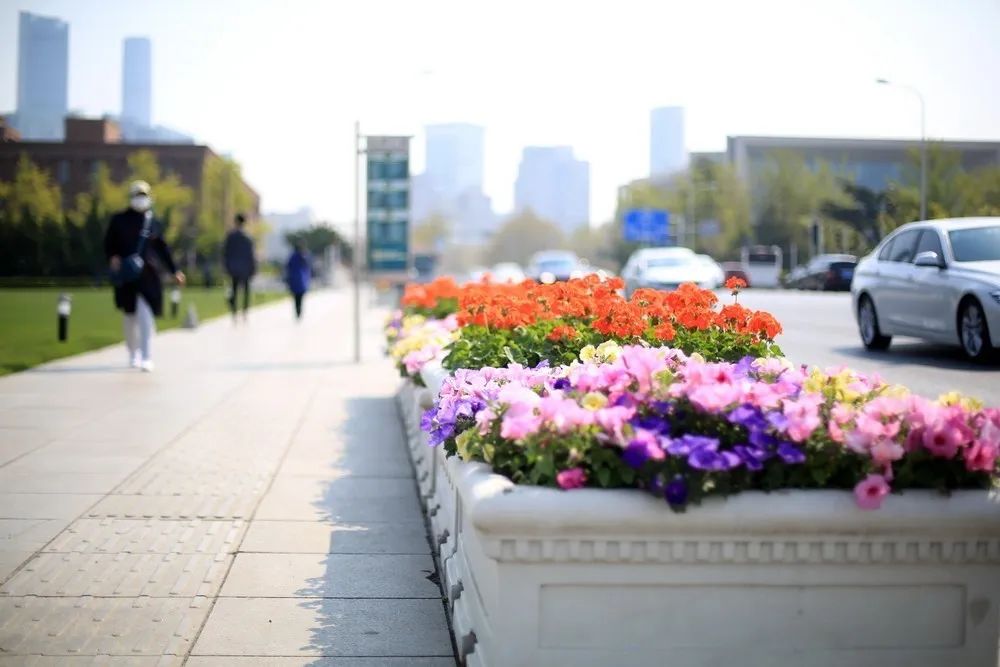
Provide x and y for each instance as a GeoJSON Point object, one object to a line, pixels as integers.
{"type": "Point", "coordinates": [748, 417]}
{"type": "Point", "coordinates": [640, 450]}
{"type": "Point", "coordinates": [789, 453]}
{"type": "Point", "coordinates": [709, 459]}
{"type": "Point", "coordinates": [762, 439]}
{"type": "Point", "coordinates": [676, 492]}
{"type": "Point", "coordinates": [743, 366]}
{"type": "Point", "coordinates": [753, 457]}
{"type": "Point", "coordinates": [561, 384]}
{"type": "Point", "coordinates": [427, 419]}
{"type": "Point", "coordinates": [686, 444]}
{"type": "Point", "coordinates": [654, 423]}
{"type": "Point", "coordinates": [778, 420]}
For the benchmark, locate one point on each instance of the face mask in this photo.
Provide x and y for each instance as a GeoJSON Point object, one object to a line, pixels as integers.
{"type": "Point", "coordinates": [141, 203]}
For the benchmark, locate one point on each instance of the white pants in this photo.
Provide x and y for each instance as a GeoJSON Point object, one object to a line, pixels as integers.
{"type": "Point", "coordinates": [139, 330]}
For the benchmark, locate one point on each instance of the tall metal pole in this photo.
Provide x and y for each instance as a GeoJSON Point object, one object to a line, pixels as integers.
{"type": "Point", "coordinates": [356, 255]}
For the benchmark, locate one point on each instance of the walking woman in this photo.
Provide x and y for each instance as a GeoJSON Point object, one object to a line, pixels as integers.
{"type": "Point", "coordinates": [298, 272]}
{"type": "Point", "coordinates": [136, 253]}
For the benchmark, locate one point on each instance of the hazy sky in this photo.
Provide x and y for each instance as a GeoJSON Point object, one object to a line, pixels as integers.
{"type": "Point", "coordinates": [278, 84]}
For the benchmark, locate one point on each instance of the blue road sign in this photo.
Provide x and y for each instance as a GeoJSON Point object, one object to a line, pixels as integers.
{"type": "Point", "coordinates": [644, 225]}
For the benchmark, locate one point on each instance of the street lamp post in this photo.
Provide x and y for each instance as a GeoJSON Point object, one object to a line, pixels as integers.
{"type": "Point", "coordinates": [923, 142]}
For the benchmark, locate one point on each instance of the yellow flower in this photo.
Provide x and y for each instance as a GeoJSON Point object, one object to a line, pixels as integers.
{"type": "Point", "coordinates": [609, 351]}
{"type": "Point", "coordinates": [588, 354]}
{"type": "Point", "coordinates": [694, 356]}
{"type": "Point", "coordinates": [594, 401]}
{"type": "Point", "coordinates": [955, 398]}
{"type": "Point", "coordinates": [816, 381]}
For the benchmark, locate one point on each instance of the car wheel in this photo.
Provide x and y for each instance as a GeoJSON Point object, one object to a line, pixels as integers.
{"type": "Point", "coordinates": [973, 332]}
{"type": "Point", "coordinates": [871, 336]}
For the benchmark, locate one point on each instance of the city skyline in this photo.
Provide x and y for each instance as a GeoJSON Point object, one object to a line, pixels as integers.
{"type": "Point", "coordinates": [780, 70]}
{"type": "Point", "coordinates": [42, 76]}
{"type": "Point", "coordinates": [137, 81]}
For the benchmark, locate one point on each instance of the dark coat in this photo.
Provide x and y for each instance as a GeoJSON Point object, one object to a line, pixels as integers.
{"type": "Point", "coordinates": [122, 239]}
{"type": "Point", "coordinates": [237, 255]}
{"type": "Point", "coordinates": [298, 272]}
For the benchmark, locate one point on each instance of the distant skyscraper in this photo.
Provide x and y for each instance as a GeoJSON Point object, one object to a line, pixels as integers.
{"type": "Point", "coordinates": [554, 185]}
{"type": "Point", "coordinates": [137, 81]}
{"type": "Point", "coordinates": [666, 141]}
{"type": "Point", "coordinates": [42, 77]}
{"type": "Point", "coordinates": [455, 158]}
{"type": "Point", "coordinates": [452, 182]}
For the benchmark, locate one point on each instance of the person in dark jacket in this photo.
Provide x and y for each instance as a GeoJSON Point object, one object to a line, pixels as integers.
{"type": "Point", "coordinates": [298, 272]}
{"type": "Point", "coordinates": [139, 293]}
{"type": "Point", "coordinates": [241, 264]}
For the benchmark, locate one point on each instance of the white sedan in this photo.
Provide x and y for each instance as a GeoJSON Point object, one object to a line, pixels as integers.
{"type": "Point", "coordinates": [667, 269]}
{"type": "Point", "coordinates": [938, 280]}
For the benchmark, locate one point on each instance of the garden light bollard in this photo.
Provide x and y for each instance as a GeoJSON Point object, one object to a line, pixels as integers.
{"type": "Point", "coordinates": [175, 302]}
{"type": "Point", "coordinates": [63, 310]}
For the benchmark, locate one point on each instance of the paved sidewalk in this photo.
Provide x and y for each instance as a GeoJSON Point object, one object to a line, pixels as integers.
{"type": "Point", "coordinates": [250, 498]}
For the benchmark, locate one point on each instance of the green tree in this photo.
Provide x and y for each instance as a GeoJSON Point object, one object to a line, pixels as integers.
{"type": "Point", "coordinates": [430, 233]}
{"type": "Point", "coordinates": [32, 192]}
{"type": "Point", "coordinates": [172, 199]}
{"type": "Point", "coordinates": [522, 236]}
{"type": "Point", "coordinates": [789, 196]}
{"type": "Point", "coordinates": [222, 196]}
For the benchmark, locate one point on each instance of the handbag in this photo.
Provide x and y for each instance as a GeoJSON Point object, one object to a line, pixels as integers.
{"type": "Point", "coordinates": [132, 265]}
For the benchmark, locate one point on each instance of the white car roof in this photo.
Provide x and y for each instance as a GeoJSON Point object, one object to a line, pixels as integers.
{"type": "Point", "coordinates": [949, 224]}
{"type": "Point", "coordinates": [649, 253]}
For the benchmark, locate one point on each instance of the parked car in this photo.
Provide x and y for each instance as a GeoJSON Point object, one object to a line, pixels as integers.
{"type": "Point", "coordinates": [736, 270]}
{"type": "Point", "coordinates": [715, 270]}
{"type": "Point", "coordinates": [937, 280]}
{"type": "Point", "coordinates": [550, 266]}
{"type": "Point", "coordinates": [507, 272]}
{"type": "Point", "coordinates": [793, 279]}
{"type": "Point", "coordinates": [826, 272]}
{"type": "Point", "coordinates": [666, 269]}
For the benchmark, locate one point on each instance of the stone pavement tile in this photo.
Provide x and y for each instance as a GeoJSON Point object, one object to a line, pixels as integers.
{"type": "Point", "coordinates": [55, 458]}
{"type": "Point", "coordinates": [49, 420]}
{"type": "Point", "coordinates": [99, 626]}
{"type": "Point", "coordinates": [324, 627]}
{"type": "Point", "coordinates": [330, 575]}
{"type": "Point", "coordinates": [152, 481]}
{"type": "Point", "coordinates": [161, 536]}
{"type": "Point", "coordinates": [119, 575]}
{"type": "Point", "coordinates": [320, 538]}
{"type": "Point", "coordinates": [343, 488]}
{"type": "Point", "coordinates": [175, 507]}
{"type": "Point", "coordinates": [28, 534]}
{"type": "Point", "coordinates": [44, 505]}
{"type": "Point", "coordinates": [19, 481]}
{"type": "Point", "coordinates": [90, 661]}
{"type": "Point", "coordinates": [16, 442]}
{"type": "Point", "coordinates": [256, 661]}
{"type": "Point", "coordinates": [307, 507]}
{"type": "Point", "coordinates": [332, 465]}
{"type": "Point", "coordinates": [11, 560]}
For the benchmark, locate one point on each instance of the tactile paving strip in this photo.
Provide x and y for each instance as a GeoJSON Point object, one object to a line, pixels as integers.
{"type": "Point", "coordinates": [99, 626]}
{"type": "Point", "coordinates": [237, 506]}
{"type": "Point", "coordinates": [160, 536]}
{"type": "Point", "coordinates": [119, 575]}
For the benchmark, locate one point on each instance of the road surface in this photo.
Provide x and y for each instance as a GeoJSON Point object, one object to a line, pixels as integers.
{"type": "Point", "coordinates": [820, 329]}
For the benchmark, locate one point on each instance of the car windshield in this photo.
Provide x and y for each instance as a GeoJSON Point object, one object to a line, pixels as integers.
{"type": "Point", "coordinates": [981, 244]}
{"type": "Point", "coordinates": [662, 262]}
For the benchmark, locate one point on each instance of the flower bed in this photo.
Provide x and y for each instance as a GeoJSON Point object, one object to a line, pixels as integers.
{"type": "Point", "coordinates": [797, 575]}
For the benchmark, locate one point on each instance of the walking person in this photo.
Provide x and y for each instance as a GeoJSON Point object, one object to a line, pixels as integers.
{"type": "Point", "coordinates": [298, 272]}
{"type": "Point", "coordinates": [136, 253]}
{"type": "Point", "coordinates": [241, 264]}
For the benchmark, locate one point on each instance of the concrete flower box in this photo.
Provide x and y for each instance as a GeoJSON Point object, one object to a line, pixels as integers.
{"type": "Point", "coordinates": [594, 577]}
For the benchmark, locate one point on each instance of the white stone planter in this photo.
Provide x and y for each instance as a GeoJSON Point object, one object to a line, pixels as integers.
{"type": "Point", "coordinates": [596, 577]}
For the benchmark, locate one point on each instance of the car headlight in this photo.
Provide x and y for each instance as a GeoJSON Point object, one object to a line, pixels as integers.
{"type": "Point", "coordinates": [547, 278]}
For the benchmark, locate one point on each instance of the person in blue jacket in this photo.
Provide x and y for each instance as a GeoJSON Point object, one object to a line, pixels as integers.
{"type": "Point", "coordinates": [298, 271]}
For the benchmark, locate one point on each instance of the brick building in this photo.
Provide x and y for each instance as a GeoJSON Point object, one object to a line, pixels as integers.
{"type": "Point", "coordinates": [89, 142]}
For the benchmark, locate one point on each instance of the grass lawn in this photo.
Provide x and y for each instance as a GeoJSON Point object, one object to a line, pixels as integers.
{"type": "Point", "coordinates": [28, 323]}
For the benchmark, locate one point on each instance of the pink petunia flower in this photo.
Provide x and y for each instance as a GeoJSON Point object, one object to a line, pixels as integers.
{"type": "Point", "coordinates": [571, 478]}
{"type": "Point", "coordinates": [981, 456]}
{"type": "Point", "coordinates": [871, 491]}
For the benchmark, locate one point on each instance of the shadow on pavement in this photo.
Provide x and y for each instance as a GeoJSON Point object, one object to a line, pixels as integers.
{"type": "Point", "coordinates": [924, 354]}
{"type": "Point", "coordinates": [372, 456]}
{"type": "Point", "coordinates": [63, 370]}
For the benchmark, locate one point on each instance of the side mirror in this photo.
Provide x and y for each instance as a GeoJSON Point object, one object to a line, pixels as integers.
{"type": "Point", "coordinates": [929, 258]}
